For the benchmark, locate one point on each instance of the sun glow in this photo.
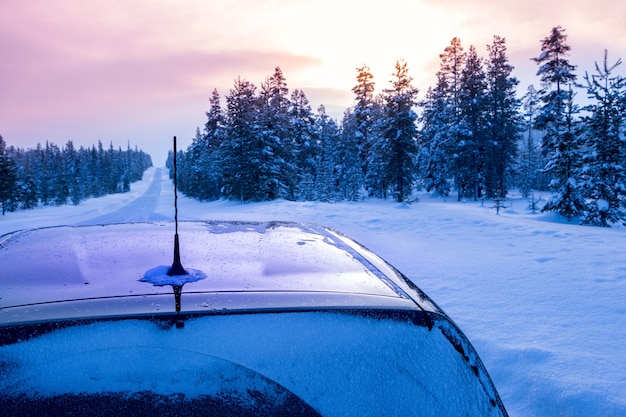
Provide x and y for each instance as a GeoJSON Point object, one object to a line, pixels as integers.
{"type": "Point", "coordinates": [97, 70]}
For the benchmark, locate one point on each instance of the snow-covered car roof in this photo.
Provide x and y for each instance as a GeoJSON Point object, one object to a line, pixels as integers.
{"type": "Point", "coordinates": [119, 269]}
{"type": "Point", "coordinates": [271, 318]}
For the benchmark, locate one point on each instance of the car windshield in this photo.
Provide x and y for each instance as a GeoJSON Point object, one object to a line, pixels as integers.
{"type": "Point", "coordinates": [293, 363]}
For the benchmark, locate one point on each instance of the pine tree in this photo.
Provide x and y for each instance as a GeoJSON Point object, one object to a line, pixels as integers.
{"type": "Point", "coordinates": [276, 171]}
{"type": "Point", "coordinates": [8, 178]}
{"type": "Point", "coordinates": [441, 122]}
{"type": "Point", "coordinates": [213, 135]}
{"type": "Point", "coordinates": [191, 172]}
{"type": "Point", "coordinates": [241, 150]}
{"type": "Point", "coordinates": [348, 171]}
{"type": "Point", "coordinates": [365, 113]}
{"type": "Point", "coordinates": [307, 149]}
{"type": "Point", "coordinates": [59, 190]}
{"type": "Point", "coordinates": [436, 119]}
{"type": "Point", "coordinates": [530, 162]}
{"type": "Point", "coordinates": [564, 166]}
{"type": "Point", "coordinates": [395, 150]}
{"type": "Point", "coordinates": [72, 174]}
{"type": "Point", "coordinates": [560, 140]}
{"type": "Point", "coordinates": [26, 197]}
{"type": "Point", "coordinates": [503, 121]}
{"type": "Point", "coordinates": [451, 69]}
{"type": "Point", "coordinates": [604, 172]}
{"type": "Point", "coordinates": [329, 136]}
{"type": "Point", "coordinates": [470, 148]}
{"type": "Point", "coordinates": [202, 166]}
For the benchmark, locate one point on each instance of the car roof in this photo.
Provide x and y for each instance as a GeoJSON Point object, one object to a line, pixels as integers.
{"type": "Point", "coordinates": [102, 270]}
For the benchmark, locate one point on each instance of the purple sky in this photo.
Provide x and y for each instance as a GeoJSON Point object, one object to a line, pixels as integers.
{"type": "Point", "coordinates": [143, 70]}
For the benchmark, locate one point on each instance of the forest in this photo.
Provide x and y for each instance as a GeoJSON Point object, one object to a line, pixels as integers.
{"type": "Point", "coordinates": [471, 137]}
{"type": "Point", "coordinates": [49, 175]}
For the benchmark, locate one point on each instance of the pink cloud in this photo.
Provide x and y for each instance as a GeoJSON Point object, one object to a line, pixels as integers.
{"type": "Point", "coordinates": [82, 57]}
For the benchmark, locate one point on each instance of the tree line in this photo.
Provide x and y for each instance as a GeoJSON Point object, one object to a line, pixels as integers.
{"type": "Point", "coordinates": [470, 135]}
{"type": "Point", "coordinates": [49, 175]}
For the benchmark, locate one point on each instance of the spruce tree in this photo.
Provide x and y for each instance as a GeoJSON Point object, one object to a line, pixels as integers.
{"type": "Point", "coordinates": [436, 119]}
{"type": "Point", "coordinates": [306, 143]}
{"type": "Point", "coordinates": [561, 145]}
{"type": "Point", "coordinates": [276, 158]}
{"type": "Point", "coordinates": [241, 151]}
{"type": "Point", "coordinates": [348, 171]}
{"type": "Point", "coordinates": [530, 161]}
{"type": "Point", "coordinates": [451, 70]}
{"type": "Point", "coordinates": [564, 165]}
{"type": "Point", "coordinates": [214, 135]}
{"type": "Point", "coordinates": [191, 173]}
{"type": "Point", "coordinates": [395, 149]}
{"type": "Point", "coordinates": [72, 173]}
{"type": "Point", "coordinates": [503, 121]}
{"type": "Point", "coordinates": [470, 148]}
{"type": "Point", "coordinates": [329, 137]}
{"type": "Point", "coordinates": [8, 178]}
{"type": "Point", "coordinates": [203, 155]}
{"type": "Point", "coordinates": [365, 113]}
{"type": "Point", "coordinates": [604, 173]}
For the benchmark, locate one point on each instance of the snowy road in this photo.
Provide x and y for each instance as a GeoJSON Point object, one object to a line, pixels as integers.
{"type": "Point", "coordinates": [151, 199]}
{"type": "Point", "coordinates": [141, 209]}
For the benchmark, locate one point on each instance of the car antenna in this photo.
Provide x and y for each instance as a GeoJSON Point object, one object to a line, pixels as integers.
{"type": "Point", "coordinates": [177, 267]}
{"type": "Point", "coordinates": [175, 275]}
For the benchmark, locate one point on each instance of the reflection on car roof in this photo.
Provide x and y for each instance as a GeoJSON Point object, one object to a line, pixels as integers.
{"type": "Point", "coordinates": [294, 262]}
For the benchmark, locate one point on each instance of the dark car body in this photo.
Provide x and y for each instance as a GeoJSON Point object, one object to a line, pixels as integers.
{"type": "Point", "coordinates": [270, 319]}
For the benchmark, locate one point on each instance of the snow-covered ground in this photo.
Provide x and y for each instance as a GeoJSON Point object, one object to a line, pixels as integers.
{"type": "Point", "coordinates": [543, 301]}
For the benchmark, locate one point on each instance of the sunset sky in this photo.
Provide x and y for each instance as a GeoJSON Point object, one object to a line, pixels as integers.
{"type": "Point", "coordinates": [143, 70]}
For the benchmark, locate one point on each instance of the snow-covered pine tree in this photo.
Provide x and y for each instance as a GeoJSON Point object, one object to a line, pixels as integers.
{"type": "Point", "coordinates": [329, 136]}
{"type": "Point", "coordinates": [348, 171]}
{"type": "Point", "coordinates": [395, 149]}
{"type": "Point", "coordinates": [8, 178]}
{"type": "Point", "coordinates": [451, 69]}
{"type": "Point", "coordinates": [503, 121]}
{"type": "Point", "coordinates": [210, 161]}
{"type": "Point", "coordinates": [604, 172]}
{"type": "Point", "coordinates": [276, 158]}
{"type": "Point", "coordinates": [25, 195]}
{"type": "Point", "coordinates": [529, 161]}
{"type": "Point", "coordinates": [200, 175]}
{"type": "Point", "coordinates": [240, 151]}
{"type": "Point", "coordinates": [560, 142]}
{"type": "Point", "coordinates": [59, 189]}
{"type": "Point", "coordinates": [436, 118]}
{"type": "Point", "coordinates": [564, 165]}
{"type": "Point", "coordinates": [472, 128]}
{"type": "Point", "coordinates": [191, 179]}
{"type": "Point", "coordinates": [556, 74]}
{"type": "Point", "coordinates": [72, 174]}
{"type": "Point", "coordinates": [307, 148]}
{"type": "Point", "coordinates": [365, 113]}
